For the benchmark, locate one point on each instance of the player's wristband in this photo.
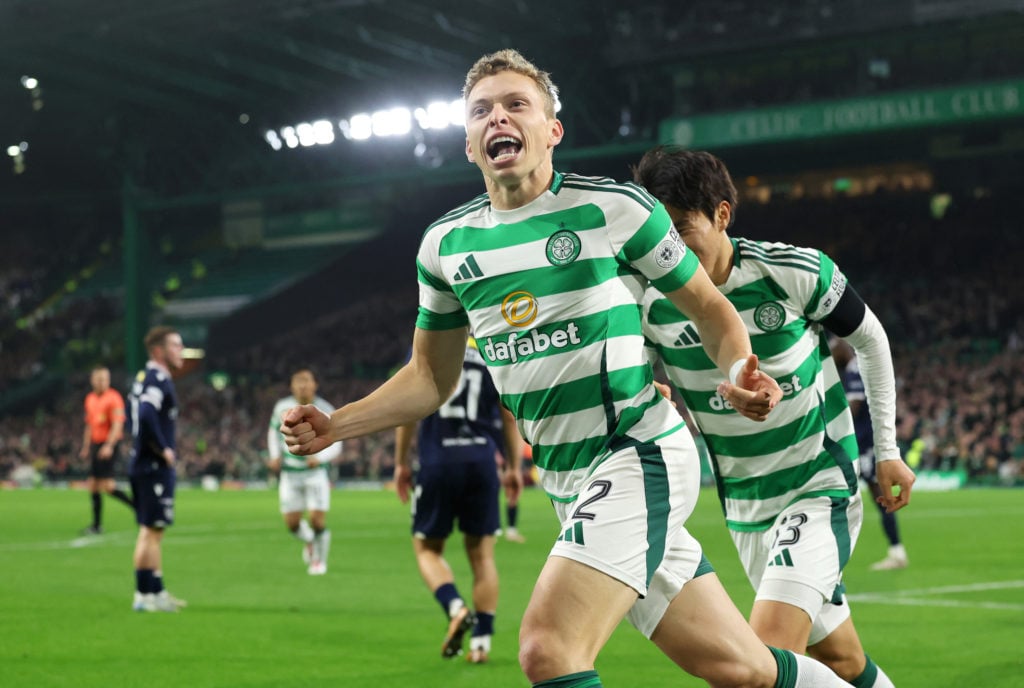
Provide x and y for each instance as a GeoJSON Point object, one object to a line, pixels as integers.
{"type": "Point", "coordinates": [735, 368]}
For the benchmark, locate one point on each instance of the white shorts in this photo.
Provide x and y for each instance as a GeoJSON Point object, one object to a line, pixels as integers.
{"type": "Point", "coordinates": [800, 559]}
{"type": "Point", "coordinates": [304, 491]}
{"type": "Point", "coordinates": [628, 522]}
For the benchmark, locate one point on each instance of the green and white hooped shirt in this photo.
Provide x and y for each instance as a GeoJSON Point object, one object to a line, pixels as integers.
{"type": "Point", "coordinates": [807, 445]}
{"type": "Point", "coordinates": [552, 293]}
{"type": "Point", "coordinates": [276, 446]}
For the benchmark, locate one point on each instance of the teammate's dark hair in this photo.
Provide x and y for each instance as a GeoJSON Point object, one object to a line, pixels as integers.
{"type": "Point", "coordinates": [688, 180]}
{"type": "Point", "coordinates": [304, 369]}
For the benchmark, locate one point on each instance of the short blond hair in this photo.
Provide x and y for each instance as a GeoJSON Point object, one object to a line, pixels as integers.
{"type": "Point", "coordinates": [509, 60]}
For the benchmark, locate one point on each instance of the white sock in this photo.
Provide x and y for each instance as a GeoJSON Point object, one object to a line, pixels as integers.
{"type": "Point", "coordinates": [881, 680]}
{"type": "Point", "coordinates": [305, 532]}
{"type": "Point", "coordinates": [813, 674]}
{"type": "Point", "coordinates": [897, 551]}
{"type": "Point", "coordinates": [454, 606]}
{"type": "Point", "coordinates": [321, 545]}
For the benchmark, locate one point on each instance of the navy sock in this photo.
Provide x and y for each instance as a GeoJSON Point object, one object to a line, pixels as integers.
{"type": "Point", "coordinates": [97, 509]}
{"type": "Point", "coordinates": [512, 512]}
{"type": "Point", "coordinates": [445, 595]}
{"type": "Point", "coordinates": [484, 624]}
{"type": "Point", "coordinates": [892, 531]}
{"type": "Point", "coordinates": [144, 580]}
{"type": "Point", "coordinates": [122, 496]}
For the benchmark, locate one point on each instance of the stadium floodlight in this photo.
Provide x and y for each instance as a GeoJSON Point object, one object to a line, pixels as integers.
{"type": "Point", "coordinates": [323, 132]}
{"type": "Point", "coordinates": [394, 122]}
{"type": "Point", "coordinates": [434, 116]}
{"type": "Point", "coordinates": [273, 139]}
{"type": "Point", "coordinates": [457, 113]}
{"type": "Point", "coordinates": [291, 139]}
{"type": "Point", "coordinates": [13, 151]}
{"type": "Point", "coordinates": [29, 82]}
{"type": "Point", "coordinates": [361, 126]}
{"type": "Point", "coordinates": [306, 133]}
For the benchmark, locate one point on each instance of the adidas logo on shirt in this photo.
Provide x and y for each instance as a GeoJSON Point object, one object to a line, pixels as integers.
{"type": "Point", "coordinates": [688, 337]}
{"type": "Point", "coordinates": [468, 270]}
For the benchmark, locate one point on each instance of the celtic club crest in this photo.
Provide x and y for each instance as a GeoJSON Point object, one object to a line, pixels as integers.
{"type": "Point", "coordinates": [769, 316]}
{"type": "Point", "coordinates": [563, 247]}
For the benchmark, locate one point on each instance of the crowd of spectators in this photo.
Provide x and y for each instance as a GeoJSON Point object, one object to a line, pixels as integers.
{"type": "Point", "coordinates": [946, 288]}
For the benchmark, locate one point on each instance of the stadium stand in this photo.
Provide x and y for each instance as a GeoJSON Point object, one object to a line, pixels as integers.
{"type": "Point", "coordinates": [232, 235]}
{"type": "Point", "coordinates": [945, 288]}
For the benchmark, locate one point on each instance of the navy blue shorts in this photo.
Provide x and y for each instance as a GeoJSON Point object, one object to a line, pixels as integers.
{"type": "Point", "coordinates": [463, 490]}
{"type": "Point", "coordinates": [866, 463]}
{"type": "Point", "coordinates": [153, 491]}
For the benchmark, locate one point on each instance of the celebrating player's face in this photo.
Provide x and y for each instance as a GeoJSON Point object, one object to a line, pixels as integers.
{"type": "Point", "coordinates": [508, 133]}
{"type": "Point", "coordinates": [698, 233]}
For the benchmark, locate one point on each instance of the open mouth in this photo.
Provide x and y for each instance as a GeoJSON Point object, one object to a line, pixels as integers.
{"type": "Point", "coordinates": [504, 148]}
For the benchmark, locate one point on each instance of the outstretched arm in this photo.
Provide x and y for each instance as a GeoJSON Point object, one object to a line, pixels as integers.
{"type": "Point", "coordinates": [750, 391]}
{"type": "Point", "coordinates": [416, 390]}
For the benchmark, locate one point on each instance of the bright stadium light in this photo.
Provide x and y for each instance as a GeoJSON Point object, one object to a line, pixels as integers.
{"type": "Point", "coordinates": [323, 132]}
{"type": "Point", "coordinates": [13, 151]}
{"type": "Point", "coordinates": [434, 116]}
{"type": "Point", "coordinates": [437, 115]}
{"type": "Point", "coordinates": [29, 82]}
{"type": "Point", "coordinates": [361, 127]}
{"type": "Point", "coordinates": [291, 139]}
{"type": "Point", "coordinates": [394, 122]}
{"type": "Point", "coordinates": [457, 113]}
{"type": "Point", "coordinates": [307, 136]}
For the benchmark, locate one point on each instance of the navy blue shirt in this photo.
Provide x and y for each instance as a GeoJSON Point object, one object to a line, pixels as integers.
{"type": "Point", "coordinates": [153, 415]}
{"type": "Point", "coordinates": [468, 426]}
{"type": "Point", "coordinates": [854, 386]}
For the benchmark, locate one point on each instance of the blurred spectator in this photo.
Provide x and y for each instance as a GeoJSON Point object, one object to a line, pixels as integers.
{"type": "Point", "coordinates": [947, 290]}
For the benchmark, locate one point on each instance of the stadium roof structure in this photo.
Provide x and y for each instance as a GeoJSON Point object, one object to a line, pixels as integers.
{"type": "Point", "coordinates": [178, 95]}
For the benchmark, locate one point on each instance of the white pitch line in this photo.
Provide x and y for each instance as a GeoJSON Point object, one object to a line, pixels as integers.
{"type": "Point", "coordinates": [930, 514]}
{"type": "Point", "coordinates": [932, 602]}
{"type": "Point", "coordinates": [909, 597]}
{"type": "Point", "coordinates": [971, 587]}
{"type": "Point", "coordinates": [188, 535]}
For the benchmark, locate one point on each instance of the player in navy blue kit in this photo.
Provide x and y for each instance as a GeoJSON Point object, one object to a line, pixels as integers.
{"type": "Point", "coordinates": [458, 480]}
{"type": "Point", "coordinates": [846, 359]}
{"type": "Point", "coordinates": [153, 416]}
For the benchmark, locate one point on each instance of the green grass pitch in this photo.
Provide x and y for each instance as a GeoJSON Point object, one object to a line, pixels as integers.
{"type": "Point", "coordinates": [955, 617]}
